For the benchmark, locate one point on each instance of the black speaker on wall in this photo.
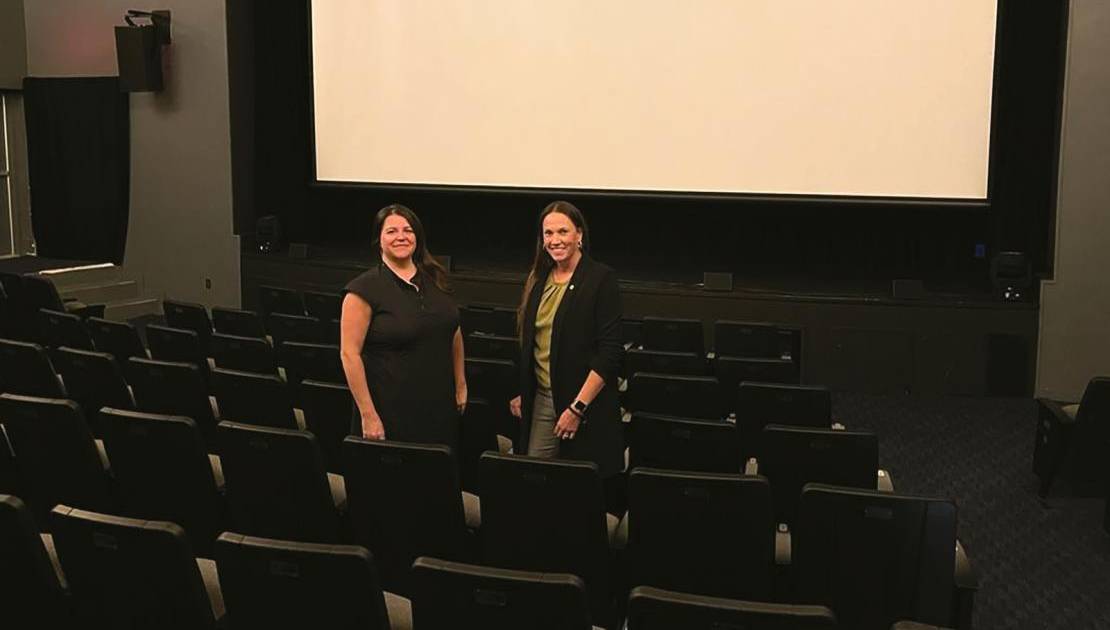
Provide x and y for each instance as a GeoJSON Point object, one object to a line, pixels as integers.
{"type": "Point", "coordinates": [139, 51]}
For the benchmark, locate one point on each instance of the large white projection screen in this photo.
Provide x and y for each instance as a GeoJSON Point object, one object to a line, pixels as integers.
{"type": "Point", "coordinates": [816, 97]}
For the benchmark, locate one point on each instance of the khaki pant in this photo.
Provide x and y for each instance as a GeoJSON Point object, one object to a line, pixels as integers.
{"type": "Point", "coordinates": [542, 441]}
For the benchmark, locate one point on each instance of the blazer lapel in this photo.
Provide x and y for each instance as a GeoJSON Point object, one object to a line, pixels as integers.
{"type": "Point", "coordinates": [528, 326]}
{"type": "Point", "coordinates": [565, 305]}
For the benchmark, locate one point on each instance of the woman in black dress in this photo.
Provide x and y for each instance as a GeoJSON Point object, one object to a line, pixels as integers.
{"type": "Point", "coordinates": [400, 342]}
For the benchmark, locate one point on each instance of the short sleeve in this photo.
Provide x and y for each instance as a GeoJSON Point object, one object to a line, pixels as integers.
{"type": "Point", "coordinates": [365, 286]}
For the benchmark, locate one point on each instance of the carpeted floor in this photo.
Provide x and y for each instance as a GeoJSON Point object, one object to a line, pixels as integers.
{"type": "Point", "coordinates": [1042, 564]}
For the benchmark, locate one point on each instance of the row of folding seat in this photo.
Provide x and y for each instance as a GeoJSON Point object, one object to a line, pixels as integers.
{"type": "Point", "coordinates": [731, 338]}
{"type": "Point", "coordinates": [548, 515]}
{"type": "Point", "coordinates": [21, 298]}
{"type": "Point", "coordinates": [280, 300]}
{"type": "Point", "coordinates": [243, 323]}
{"type": "Point", "coordinates": [107, 570]}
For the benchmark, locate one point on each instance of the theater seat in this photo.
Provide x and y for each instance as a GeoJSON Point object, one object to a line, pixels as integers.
{"type": "Point", "coordinates": [1073, 440]}
{"type": "Point", "coordinates": [131, 573]}
{"type": "Point", "coordinates": [902, 551]}
{"type": "Point", "coordinates": [419, 511]}
{"type": "Point", "coordinates": [709, 534]}
{"type": "Point", "coordinates": [33, 591]}
{"type": "Point", "coordinates": [55, 454]}
{"type": "Point", "coordinates": [164, 473]}
{"type": "Point", "coordinates": [449, 595]}
{"type": "Point", "coordinates": [276, 484]}
{"type": "Point", "coordinates": [188, 316]}
{"type": "Point", "coordinates": [657, 609]}
{"type": "Point", "coordinates": [547, 515]}
{"type": "Point", "coordinates": [270, 583]}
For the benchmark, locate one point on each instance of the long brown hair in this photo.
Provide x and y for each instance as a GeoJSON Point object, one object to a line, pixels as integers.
{"type": "Point", "coordinates": [422, 258]}
{"type": "Point", "coordinates": [541, 261]}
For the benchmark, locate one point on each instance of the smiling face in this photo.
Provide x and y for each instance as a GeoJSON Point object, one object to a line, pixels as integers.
{"type": "Point", "coordinates": [561, 238]}
{"type": "Point", "coordinates": [398, 239]}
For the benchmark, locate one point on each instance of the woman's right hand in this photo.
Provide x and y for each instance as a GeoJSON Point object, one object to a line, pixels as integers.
{"type": "Point", "coordinates": [372, 428]}
{"type": "Point", "coordinates": [514, 407]}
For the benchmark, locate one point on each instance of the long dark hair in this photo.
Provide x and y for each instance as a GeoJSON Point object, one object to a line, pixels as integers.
{"type": "Point", "coordinates": [422, 258]}
{"type": "Point", "coordinates": [541, 261]}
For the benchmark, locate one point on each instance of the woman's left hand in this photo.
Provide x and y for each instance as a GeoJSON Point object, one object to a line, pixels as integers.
{"type": "Point", "coordinates": [567, 425]}
{"type": "Point", "coordinates": [460, 397]}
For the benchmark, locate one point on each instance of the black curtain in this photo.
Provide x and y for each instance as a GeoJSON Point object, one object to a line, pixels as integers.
{"type": "Point", "coordinates": [79, 163]}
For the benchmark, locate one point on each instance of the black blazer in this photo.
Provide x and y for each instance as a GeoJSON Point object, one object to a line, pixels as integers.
{"type": "Point", "coordinates": [585, 335]}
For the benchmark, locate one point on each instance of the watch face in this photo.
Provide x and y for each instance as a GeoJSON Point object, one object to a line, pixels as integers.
{"type": "Point", "coordinates": [579, 405]}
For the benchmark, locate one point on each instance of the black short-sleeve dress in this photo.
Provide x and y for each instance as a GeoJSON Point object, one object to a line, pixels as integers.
{"type": "Point", "coordinates": [407, 356]}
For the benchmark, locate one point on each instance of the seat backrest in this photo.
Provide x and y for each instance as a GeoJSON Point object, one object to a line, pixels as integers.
{"type": "Point", "coordinates": [120, 339]}
{"type": "Point", "coordinates": [162, 472]}
{"type": "Point", "coordinates": [94, 380]}
{"type": "Point", "coordinates": [657, 609]}
{"type": "Point", "coordinates": [492, 380]}
{"type": "Point", "coordinates": [26, 369]}
{"type": "Point", "coordinates": [448, 595]}
{"type": "Point", "coordinates": [260, 399]}
{"type": "Point", "coordinates": [545, 515]}
{"type": "Point", "coordinates": [57, 329]}
{"type": "Point", "coordinates": [314, 361]}
{"type": "Point", "coordinates": [55, 455]}
{"type": "Point", "coordinates": [732, 371]}
{"type": "Point", "coordinates": [703, 533]}
{"type": "Point", "coordinates": [673, 334]}
{"type": "Point", "coordinates": [130, 573]}
{"type": "Point", "coordinates": [794, 456]}
{"type": "Point", "coordinates": [756, 340]}
{"type": "Point", "coordinates": [248, 354]}
{"type": "Point", "coordinates": [41, 292]}
{"type": "Point", "coordinates": [323, 306]}
{"type": "Point", "coordinates": [276, 484]}
{"type": "Point", "coordinates": [188, 316]}
{"type": "Point", "coordinates": [682, 396]}
{"type": "Point", "coordinates": [284, 328]}
{"type": "Point", "coordinates": [179, 345]}
{"type": "Point", "coordinates": [1094, 409]}
{"type": "Point", "coordinates": [901, 550]}
{"type": "Point", "coordinates": [477, 434]}
{"type": "Point", "coordinates": [417, 512]}
{"type": "Point", "coordinates": [173, 388]}
{"type": "Point", "coordinates": [682, 444]}
{"type": "Point", "coordinates": [9, 479]}
{"type": "Point", "coordinates": [230, 321]}
{"type": "Point", "coordinates": [490, 320]}
{"type": "Point", "coordinates": [270, 583]}
{"type": "Point", "coordinates": [30, 588]}
{"type": "Point", "coordinates": [760, 404]}
{"type": "Point", "coordinates": [663, 362]}
{"type": "Point", "coordinates": [280, 300]}
{"type": "Point", "coordinates": [485, 346]}
{"type": "Point", "coordinates": [632, 329]}
{"type": "Point", "coordinates": [328, 409]}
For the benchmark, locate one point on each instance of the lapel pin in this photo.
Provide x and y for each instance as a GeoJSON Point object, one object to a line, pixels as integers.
{"type": "Point", "coordinates": [571, 287]}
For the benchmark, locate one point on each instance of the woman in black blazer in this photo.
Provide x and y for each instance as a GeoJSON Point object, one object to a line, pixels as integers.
{"type": "Point", "coordinates": [570, 318]}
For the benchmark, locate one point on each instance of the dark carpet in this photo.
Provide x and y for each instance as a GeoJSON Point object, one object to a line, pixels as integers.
{"type": "Point", "coordinates": [1041, 563]}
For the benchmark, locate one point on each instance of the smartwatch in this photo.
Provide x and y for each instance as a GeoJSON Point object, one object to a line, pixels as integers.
{"type": "Point", "coordinates": [579, 408]}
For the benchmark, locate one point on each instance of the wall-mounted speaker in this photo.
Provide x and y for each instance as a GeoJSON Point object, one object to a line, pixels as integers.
{"type": "Point", "coordinates": [139, 51]}
{"type": "Point", "coordinates": [140, 59]}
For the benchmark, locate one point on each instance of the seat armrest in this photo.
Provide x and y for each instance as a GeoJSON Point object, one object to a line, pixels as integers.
{"type": "Point", "coordinates": [966, 582]}
{"type": "Point", "coordinates": [1055, 412]}
{"type": "Point", "coordinates": [885, 481]}
{"type": "Point", "coordinates": [751, 467]}
{"type": "Point", "coordinates": [782, 545]}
